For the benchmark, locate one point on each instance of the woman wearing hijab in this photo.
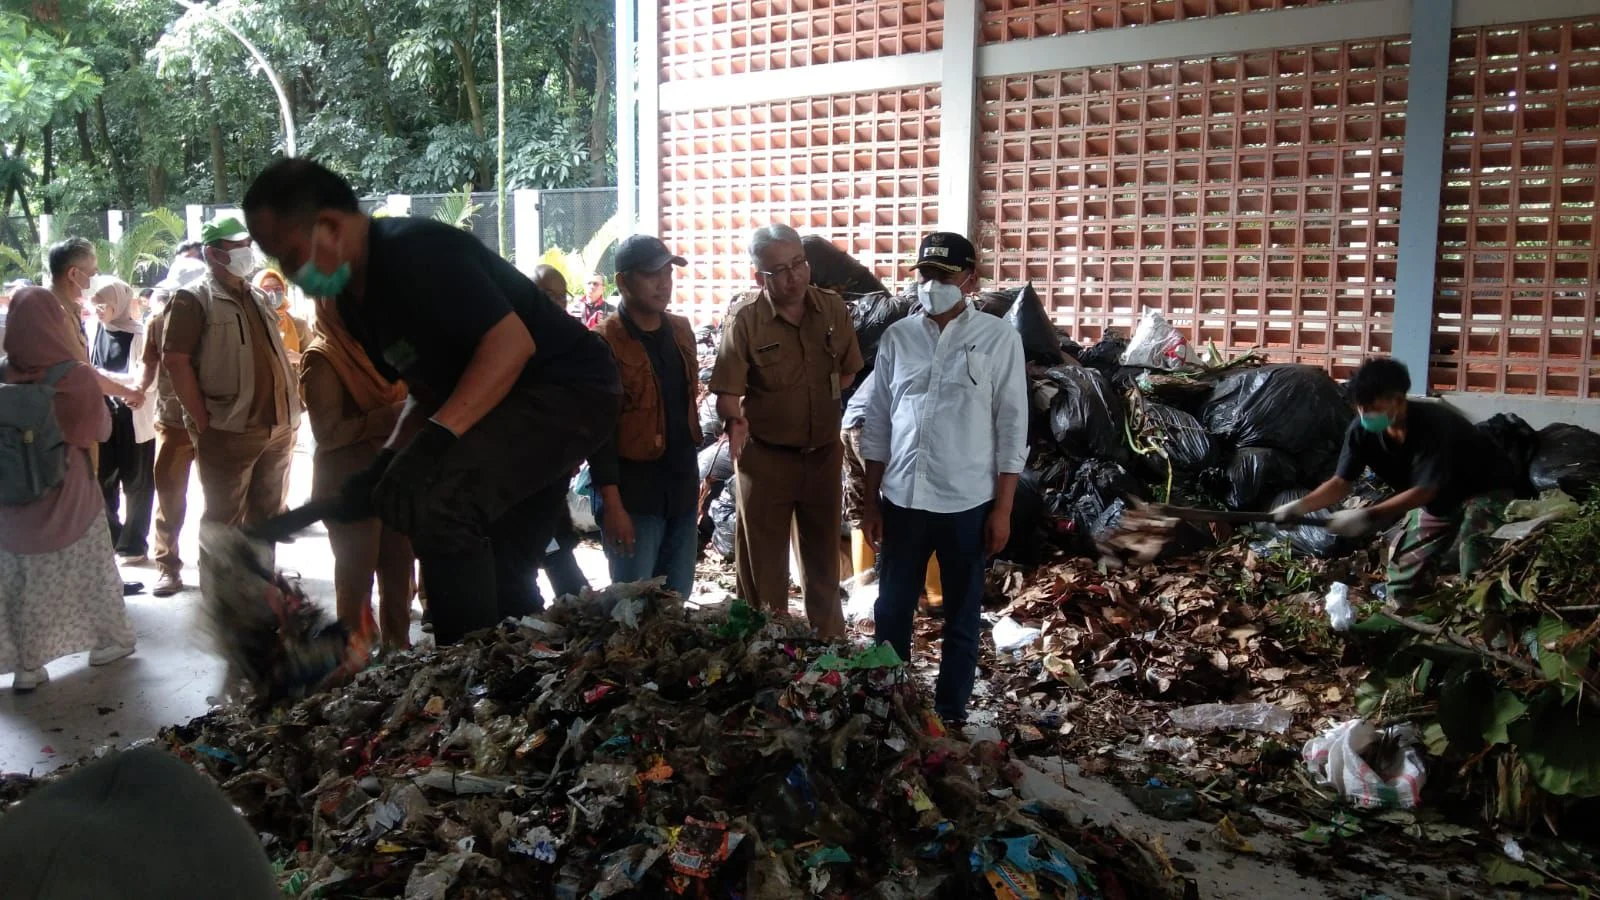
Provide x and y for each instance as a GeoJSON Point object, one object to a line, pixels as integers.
{"type": "Point", "coordinates": [296, 334]}
{"type": "Point", "coordinates": [127, 458]}
{"type": "Point", "coordinates": [352, 411]}
{"type": "Point", "coordinates": [60, 592]}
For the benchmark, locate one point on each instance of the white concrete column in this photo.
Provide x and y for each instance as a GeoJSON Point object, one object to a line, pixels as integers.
{"type": "Point", "coordinates": [397, 204]}
{"type": "Point", "coordinates": [114, 225]}
{"type": "Point", "coordinates": [958, 124]}
{"type": "Point", "coordinates": [47, 229]}
{"type": "Point", "coordinates": [194, 216]}
{"type": "Point", "coordinates": [527, 238]}
{"type": "Point", "coordinates": [627, 119]}
{"type": "Point", "coordinates": [649, 116]}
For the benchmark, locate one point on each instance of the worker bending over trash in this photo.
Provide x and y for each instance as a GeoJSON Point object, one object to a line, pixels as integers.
{"type": "Point", "coordinates": [1449, 478]}
{"type": "Point", "coordinates": [945, 438]}
{"type": "Point", "coordinates": [507, 394]}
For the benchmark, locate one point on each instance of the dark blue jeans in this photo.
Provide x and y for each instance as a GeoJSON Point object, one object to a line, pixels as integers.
{"type": "Point", "coordinates": [662, 545]}
{"type": "Point", "coordinates": [910, 536]}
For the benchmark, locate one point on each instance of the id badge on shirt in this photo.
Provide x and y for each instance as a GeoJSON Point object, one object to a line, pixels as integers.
{"type": "Point", "coordinates": [833, 384]}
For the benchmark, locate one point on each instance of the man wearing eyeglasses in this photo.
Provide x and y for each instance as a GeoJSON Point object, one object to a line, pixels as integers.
{"type": "Point", "coordinates": [787, 355]}
{"type": "Point", "coordinates": [595, 307]}
{"type": "Point", "coordinates": [944, 438]}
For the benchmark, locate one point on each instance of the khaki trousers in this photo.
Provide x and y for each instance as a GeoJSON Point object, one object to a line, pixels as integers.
{"type": "Point", "coordinates": [174, 458]}
{"type": "Point", "coordinates": [242, 473]}
{"type": "Point", "coordinates": [782, 492]}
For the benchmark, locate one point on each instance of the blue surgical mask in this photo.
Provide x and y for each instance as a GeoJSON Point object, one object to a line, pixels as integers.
{"type": "Point", "coordinates": [318, 283]}
{"type": "Point", "coordinates": [1376, 423]}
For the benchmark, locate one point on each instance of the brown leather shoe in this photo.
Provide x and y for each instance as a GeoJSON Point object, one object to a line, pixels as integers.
{"type": "Point", "coordinates": [168, 584]}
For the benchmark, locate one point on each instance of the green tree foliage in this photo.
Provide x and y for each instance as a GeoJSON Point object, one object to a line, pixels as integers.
{"type": "Point", "coordinates": [143, 104]}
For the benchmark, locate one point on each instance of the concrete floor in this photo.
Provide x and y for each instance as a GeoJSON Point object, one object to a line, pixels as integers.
{"type": "Point", "coordinates": [171, 676]}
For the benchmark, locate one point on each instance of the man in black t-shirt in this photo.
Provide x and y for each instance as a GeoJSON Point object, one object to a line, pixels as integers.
{"type": "Point", "coordinates": [507, 394]}
{"type": "Point", "coordinates": [1447, 477]}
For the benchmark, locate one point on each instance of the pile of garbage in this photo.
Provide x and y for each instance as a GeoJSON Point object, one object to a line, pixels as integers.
{"type": "Point", "coordinates": [622, 745]}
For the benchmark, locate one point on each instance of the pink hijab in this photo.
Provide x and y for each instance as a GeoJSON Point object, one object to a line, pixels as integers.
{"type": "Point", "coordinates": [34, 342]}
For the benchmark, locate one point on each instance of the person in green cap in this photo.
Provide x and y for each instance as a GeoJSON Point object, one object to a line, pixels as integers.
{"type": "Point", "coordinates": [230, 372]}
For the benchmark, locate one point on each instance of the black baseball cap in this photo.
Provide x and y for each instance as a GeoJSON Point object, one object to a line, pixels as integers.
{"type": "Point", "coordinates": [947, 252]}
{"type": "Point", "coordinates": [645, 253]}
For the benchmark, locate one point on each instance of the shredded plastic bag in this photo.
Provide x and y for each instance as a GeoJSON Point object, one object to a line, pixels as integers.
{"type": "Point", "coordinates": [1255, 475]}
{"type": "Point", "coordinates": [580, 502]}
{"type": "Point", "coordinates": [1157, 345]}
{"type": "Point", "coordinates": [1370, 768]}
{"type": "Point", "coordinates": [1341, 615]}
{"type": "Point", "coordinates": [836, 270]}
{"type": "Point", "coordinates": [724, 520]}
{"type": "Point", "coordinates": [1312, 540]}
{"type": "Point", "coordinates": [1041, 343]}
{"type": "Point", "coordinates": [1265, 717]}
{"type": "Point", "coordinates": [1009, 635]}
{"type": "Point", "coordinates": [1299, 410]}
{"type": "Point", "coordinates": [1087, 418]}
{"type": "Point", "coordinates": [1568, 458]}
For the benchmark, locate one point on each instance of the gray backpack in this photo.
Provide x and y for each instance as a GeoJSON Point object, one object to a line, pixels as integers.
{"type": "Point", "coordinates": [33, 452]}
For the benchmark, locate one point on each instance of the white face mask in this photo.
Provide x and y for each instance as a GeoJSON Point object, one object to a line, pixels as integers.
{"type": "Point", "coordinates": [241, 262]}
{"type": "Point", "coordinates": [937, 297]}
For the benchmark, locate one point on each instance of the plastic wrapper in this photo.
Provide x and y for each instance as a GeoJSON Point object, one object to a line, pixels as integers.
{"type": "Point", "coordinates": [871, 316]}
{"type": "Point", "coordinates": [1178, 435]}
{"type": "Point", "coordinates": [1255, 475]}
{"type": "Point", "coordinates": [1312, 540]}
{"type": "Point", "coordinates": [837, 270]}
{"type": "Point", "coordinates": [1370, 768]}
{"type": "Point", "coordinates": [1157, 345]}
{"type": "Point", "coordinates": [1041, 343]}
{"type": "Point", "coordinates": [1341, 615]}
{"type": "Point", "coordinates": [1298, 410]}
{"type": "Point", "coordinates": [1087, 418]}
{"type": "Point", "coordinates": [1010, 635]}
{"type": "Point", "coordinates": [1568, 458]}
{"type": "Point", "coordinates": [1264, 717]}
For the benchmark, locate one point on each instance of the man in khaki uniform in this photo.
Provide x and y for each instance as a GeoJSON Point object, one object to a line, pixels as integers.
{"type": "Point", "coordinates": [787, 355]}
{"type": "Point", "coordinates": [174, 448]}
{"type": "Point", "coordinates": [229, 369]}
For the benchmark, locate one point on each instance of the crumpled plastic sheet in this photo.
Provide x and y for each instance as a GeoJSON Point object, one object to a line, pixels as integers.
{"type": "Point", "coordinates": [621, 744]}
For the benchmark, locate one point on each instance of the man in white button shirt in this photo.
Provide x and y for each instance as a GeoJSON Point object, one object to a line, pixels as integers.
{"type": "Point", "coordinates": [944, 440]}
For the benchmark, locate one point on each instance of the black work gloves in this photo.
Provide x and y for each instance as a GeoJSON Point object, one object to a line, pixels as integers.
{"type": "Point", "coordinates": [404, 487]}
{"type": "Point", "coordinates": [355, 495]}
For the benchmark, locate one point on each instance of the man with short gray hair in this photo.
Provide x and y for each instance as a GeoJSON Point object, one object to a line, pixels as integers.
{"type": "Point", "coordinates": [787, 354]}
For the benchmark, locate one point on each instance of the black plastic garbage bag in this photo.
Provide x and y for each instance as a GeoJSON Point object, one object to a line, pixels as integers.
{"type": "Point", "coordinates": [1087, 418]}
{"type": "Point", "coordinates": [871, 316]}
{"type": "Point", "coordinates": [837, 270]}
{"type": "Point", "coordinates": [1299, 410]}
{"type": "Point", "coordinates": [1041, 343]}
{"type": "Point", "coordinates": [1106, 353]}
{"type": "Point", "coordinates": [1311, 540]}
{"type": "Point", "coordinates": [1254, 475]}
{"type": "Point", "coordinates": [1186, 444]}
{"type": "Point", "coordinates": [1517, 441]}
{"type": "Point", "coordinates": [997, 303]}
{"type": "Point", "coordinates": [724, 520]}
{"type": "Point", "coordinates": [1568, 458]}
{"type": "Point", "coordinates": [716, 463]}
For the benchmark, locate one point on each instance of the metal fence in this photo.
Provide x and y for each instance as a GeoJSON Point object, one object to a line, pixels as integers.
{"type": "Point", "coordinates": [569, 219]}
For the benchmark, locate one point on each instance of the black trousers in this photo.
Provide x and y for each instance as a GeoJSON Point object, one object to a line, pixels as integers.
{"type": "Point", "coordinates": [483, 528]}
{"type": "Point", "coordinates": [127, 467]}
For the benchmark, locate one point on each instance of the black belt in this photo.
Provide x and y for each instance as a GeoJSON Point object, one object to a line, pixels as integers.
{"type": "Point", "coordinates": [801, 451]}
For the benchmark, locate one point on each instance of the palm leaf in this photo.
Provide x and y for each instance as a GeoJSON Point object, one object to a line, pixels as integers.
{"type": "Point", "coordinates": [595, 250]}
{"type": "Point", "coordinates": [148, 243]}
{"type": "Point", "coordinates": [16, 263]}
{"type": "Point", "coordinates": [457, 209]}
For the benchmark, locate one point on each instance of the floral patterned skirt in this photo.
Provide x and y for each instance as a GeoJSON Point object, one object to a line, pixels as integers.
{"type": "Point", "coordinates": [55, 604]}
